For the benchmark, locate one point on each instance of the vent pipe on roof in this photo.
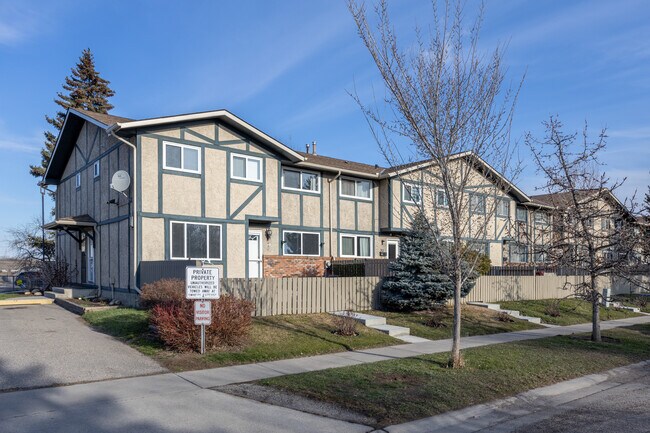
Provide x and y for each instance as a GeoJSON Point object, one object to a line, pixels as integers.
{"type": "Point", "coordinates": [307, 147]}
{"type": "Point", "coordinates": [313, 147]}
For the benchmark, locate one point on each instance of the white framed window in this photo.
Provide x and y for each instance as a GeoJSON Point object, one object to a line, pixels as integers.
{"type": "Point", "coordinates": [441, 198]}
{"type": "Point", "coordinates": [300, 180]}
{"type": "Point", "coordinates": [77, 180]}
{"type": "Point", "coordinates": [356, 188]}
{"type": "Point", "coordinates": [541, 218]}
{"type": "Point", "coordinates": [521, 214]}
{"type": "Point", "coordinates": [412, 193]}
{"type": "Point", "coordinates": [605, 223]}
{"type": "Point", "coordinates": [503, 208]}
{"type": "Point", "coordinates": [356, 245]}
{"type": "Point", "coordinates": [477, 204]}
{"type": "Point", "coordinates": [195, 241]}
{"type": "Point", "coordinates": [518, 253]}
{"type": "Point", "coordinates": [244, 167]}
{"type": "Point", "coordinates": [96, 170]}
{"type": "Point", "coordinates": [181, 157]}
{"type": "Point", "coordinates": [300, 243]}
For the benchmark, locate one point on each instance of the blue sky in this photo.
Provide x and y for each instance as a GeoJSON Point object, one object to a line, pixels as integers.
{"type": "Point", "coordinates": [286, 67]}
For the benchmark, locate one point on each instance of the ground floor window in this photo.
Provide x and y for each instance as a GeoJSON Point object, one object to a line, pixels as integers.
{"type": "Point", "coordinates": [195, 241]}
{"type": "Point", "coordinates": [300, 243]}
{"type": "Point", "coordinates": [518, 253]}
{"type": "Point", "coordinates": [356, 246]}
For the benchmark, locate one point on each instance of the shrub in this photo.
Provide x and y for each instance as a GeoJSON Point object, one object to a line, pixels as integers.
{"type": "Point", "coordinates": [345, 325]}
{"type": "Point", "coordinates": [504, 317]}
{"type": "Point", "coordinates": [169, 291]}
{"type": "Point", "coordinates": [553, 308]}
{"type": "Point", "coordinates": [418, 281]}
{"type": "Point", "coordinates": [174, 321]}
{"type": "Point", "coordinates": [482, 261]}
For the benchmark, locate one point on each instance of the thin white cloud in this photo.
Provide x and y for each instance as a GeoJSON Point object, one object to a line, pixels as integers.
{"type": "Point", "coordinates": [17, 23]}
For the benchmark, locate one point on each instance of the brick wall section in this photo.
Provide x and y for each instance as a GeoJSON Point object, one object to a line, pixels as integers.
{"type": "Point", "coordinates": [300, 266]}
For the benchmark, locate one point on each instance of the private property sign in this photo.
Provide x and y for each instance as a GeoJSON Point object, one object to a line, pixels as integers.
{"type": "Point", "coordinates": [201, 283]}
{"type": "Point", "coordinates": [202, 312]}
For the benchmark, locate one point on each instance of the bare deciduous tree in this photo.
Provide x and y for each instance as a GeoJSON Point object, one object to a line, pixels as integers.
{"type": "Point", "coordinates": [594, 233]}
{"type": "Point", "coordinates": [445, 104]}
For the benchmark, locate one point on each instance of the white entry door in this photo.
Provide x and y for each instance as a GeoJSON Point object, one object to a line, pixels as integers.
{"type": "Point", "coordinates": [90, 255]}
{"type": "Point", "coordinates": [254, 254]}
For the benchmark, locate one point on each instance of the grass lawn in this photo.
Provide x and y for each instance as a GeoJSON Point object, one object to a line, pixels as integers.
{"type": "Point", "coordinates": [9, 295]}
{"type": "Point", "coordinates": [572, 311]}
{"type": "Point", "coordinates": [475, 321]}
{"type": "Point", "coordinates": [272, 338]}
{"type": "Point", "coordinates": [642, 302]}
{"type": "Point", "coordinates": [402, 390]}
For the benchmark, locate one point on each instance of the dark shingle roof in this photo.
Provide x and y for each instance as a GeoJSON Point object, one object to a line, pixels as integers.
{"type": "Point", "coordinates": [341, 164]}
{"type": "Point", "coordinates": [106, 119]}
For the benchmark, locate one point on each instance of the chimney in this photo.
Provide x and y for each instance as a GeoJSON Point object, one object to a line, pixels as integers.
{"type": "Point", "coordinates": [313, 147]}
{"type": "Point", "coordinates": [307, 147]}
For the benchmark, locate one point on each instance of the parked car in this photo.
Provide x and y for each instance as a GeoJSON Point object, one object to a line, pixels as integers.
{"type": "Point", "coordinates": [30, 280]}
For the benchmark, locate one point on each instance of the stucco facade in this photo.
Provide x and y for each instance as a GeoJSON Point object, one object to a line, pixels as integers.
{"type": "Point", "coordinates": [208, 186]}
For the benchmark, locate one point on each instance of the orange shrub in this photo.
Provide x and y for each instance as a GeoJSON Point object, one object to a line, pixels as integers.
{"type": "Point", "coordinates": [163, 292]}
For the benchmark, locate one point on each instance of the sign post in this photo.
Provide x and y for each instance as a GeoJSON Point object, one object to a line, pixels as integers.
{"type": "Point", "coordinates": [202, 284]}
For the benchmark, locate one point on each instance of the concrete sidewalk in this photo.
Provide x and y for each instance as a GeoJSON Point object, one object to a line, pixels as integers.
{"type": "Point", "coordinates": [615, 400]}
{"type": "Point", "coordinates": [245, 373]}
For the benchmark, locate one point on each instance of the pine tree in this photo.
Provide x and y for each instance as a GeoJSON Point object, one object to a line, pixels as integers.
{"type": "Point", "coordinates": [86, 90]}
{"type": "Point", "coordinates": [417, 281]}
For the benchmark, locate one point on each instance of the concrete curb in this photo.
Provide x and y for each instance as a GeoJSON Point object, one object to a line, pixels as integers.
{"type": "Point", "coordinates": [27, 301]}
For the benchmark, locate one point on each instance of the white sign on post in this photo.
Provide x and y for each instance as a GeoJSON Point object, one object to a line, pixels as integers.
{"type": "Point", "coordinates": [201, 283]}
{"type": "Point", "coordinates": [202, 312]}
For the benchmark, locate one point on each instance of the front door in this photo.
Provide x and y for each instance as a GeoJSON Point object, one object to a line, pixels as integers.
{"type": "Point", "coordinates": [393, 249]}
{"type": "Point", "coordinates": [90, 256]}
{"type": "Point", "coordinates": [255, 254]}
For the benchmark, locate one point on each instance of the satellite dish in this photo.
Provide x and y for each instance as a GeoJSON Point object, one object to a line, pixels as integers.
{"type": "Point", "coordinates": [120, 181]}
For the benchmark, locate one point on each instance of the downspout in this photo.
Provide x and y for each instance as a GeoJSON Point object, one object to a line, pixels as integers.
{"type": "Point", "coordinates": [111, 131]}
{"type": "Point", "coordinates": [329, 193]}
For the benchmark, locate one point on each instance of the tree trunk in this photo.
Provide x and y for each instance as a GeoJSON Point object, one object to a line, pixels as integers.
{"type": "Point", "coordinates": [595, 316]}
{"type": "Point", "coordinates": [456, 360]}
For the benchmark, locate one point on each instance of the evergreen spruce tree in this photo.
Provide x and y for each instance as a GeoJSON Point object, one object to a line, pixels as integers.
{"type": "Point", "coordinates": [86, 90]}
{"type": "Point", "coordinates": [418, 282]}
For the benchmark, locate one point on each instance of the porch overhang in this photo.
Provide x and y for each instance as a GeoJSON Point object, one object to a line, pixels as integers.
{"type": "Point", "coordinates": [74, 226]}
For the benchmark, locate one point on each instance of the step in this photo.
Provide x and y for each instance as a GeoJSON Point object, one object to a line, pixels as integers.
{"type": "Point", "coordinates": [412, 339]}
{"type": "Point", "coordinates": [487, 305]}
{"type": "Point", "coordinates": [531, 319]}
{"type": "Point", "coordinates": [512, 313]}
{"type": "Point", "coordinates": [55, 295]}
{"type": "Point", "coordinates": [364, 319]}
{"type": "Point", "coordinates": [391, 330]}
{"type": "Point", "coordinates": [632, 309]}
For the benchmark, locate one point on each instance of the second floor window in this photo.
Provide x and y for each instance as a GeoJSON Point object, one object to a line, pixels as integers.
{"type": "Point", "coordinates": [77, 180]}
{"type": "Point", "coordinates": [605, 223]}
{"type": "Point", "coordinates": [441, 198]}
{"type": "Point", "coordinates": [181, 157]}
{"type": "Point", "coordinates": [96, 169]}
{"type": "Point", "coordinates": [521, 214]}
{"type": "Point", "coordinates": [541, 218]}
{"type": "Point", "coordinates": [300, 180]}
{"type": "Point", "coordinates": [412, 193]}
{"type": "Point", "coordinates": [356, 188]}
{"type": "Point", "coordinates": [477, 203]}
{"type": "Point", "coordinates": [503, 208]}
{"type": "Point", "coordinates": [246, 168]}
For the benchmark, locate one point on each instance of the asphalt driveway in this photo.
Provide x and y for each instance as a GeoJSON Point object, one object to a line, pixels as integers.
{"type": "Point", "coordinates": [45, 345]}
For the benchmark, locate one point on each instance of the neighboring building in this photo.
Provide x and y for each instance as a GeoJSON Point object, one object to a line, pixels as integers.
{"type": "Point", "coordinates": [210, 186]}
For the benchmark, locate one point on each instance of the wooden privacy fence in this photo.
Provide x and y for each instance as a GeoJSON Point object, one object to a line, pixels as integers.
{"type": "Point", "coordinates": [273, 296]}
{"type": "Point", "coordinates": [512, 288]}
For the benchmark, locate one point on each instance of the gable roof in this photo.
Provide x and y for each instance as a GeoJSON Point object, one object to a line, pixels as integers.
{"type": "Point", "coordinates": [224, 116]}
{"type": "Point", "coordinates": [336, 164]}
{"type": "Point", "coordinates": [74, 121]}
{"type": "Point", "coordinates": [563, 199]}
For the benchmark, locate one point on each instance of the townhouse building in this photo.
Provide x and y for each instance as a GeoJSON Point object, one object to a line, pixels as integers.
{"type": "Point", "coordinates": [209, 186]}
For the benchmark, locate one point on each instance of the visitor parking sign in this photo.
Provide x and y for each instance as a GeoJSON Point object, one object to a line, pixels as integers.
{"type": "Point", "coordinates": [201, 283]}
